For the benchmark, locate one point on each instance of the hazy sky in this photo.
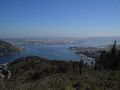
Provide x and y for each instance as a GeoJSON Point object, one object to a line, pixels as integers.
{"type": "Point", "coordinates": [59, 18]}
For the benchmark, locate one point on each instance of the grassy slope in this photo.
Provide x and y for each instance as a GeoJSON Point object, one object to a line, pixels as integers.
{"type": "Point", "coordinates": [35, 73]}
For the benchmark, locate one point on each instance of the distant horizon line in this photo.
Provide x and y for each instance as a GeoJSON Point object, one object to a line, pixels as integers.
{"type": "Point", "coordinates": [54, 37]}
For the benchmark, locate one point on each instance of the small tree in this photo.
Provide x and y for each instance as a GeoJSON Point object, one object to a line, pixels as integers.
{"type": "Point", "coordinates": [114, 48]}
{"type": "Point", "coordinates": [81, 66]}
{"type": "Point", "coordinates": [114, 56]}
{"type": "Point", "coordinates": [95, 66]}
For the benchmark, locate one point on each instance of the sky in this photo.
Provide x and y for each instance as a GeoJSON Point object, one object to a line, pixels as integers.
{"type": "Point", "coordinates": [59, 18]}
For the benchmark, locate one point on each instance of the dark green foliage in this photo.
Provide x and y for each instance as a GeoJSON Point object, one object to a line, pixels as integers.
{"type": "Point", "coordinates": [81, 63]}
{"type": "Point", "coordinates": [33, 68]}
{"type": "Point", "coordinates": [110, 59]}
{"type": "Point", "coordinates": [95, 66]}
{"type": "Point", "coordinates": [114, 48]}
{"type": "Point", "coordinates": [35, 73]}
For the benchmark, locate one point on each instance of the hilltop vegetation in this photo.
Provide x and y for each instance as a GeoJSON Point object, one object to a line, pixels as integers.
{"type": "Point", "coordinates": [36, 73]}
{"type": "Point", "coordinates": [110, 59]}
{"type": "Point", "coordinates": [7, 48]}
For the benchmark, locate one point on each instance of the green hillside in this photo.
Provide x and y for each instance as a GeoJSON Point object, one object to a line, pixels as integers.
{"type": "Point", "coordinates": [35, 73]}
{"type": "Point", "coordinates": [7, 48]}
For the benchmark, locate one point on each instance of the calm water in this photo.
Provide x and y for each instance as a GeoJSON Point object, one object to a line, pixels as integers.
{"type": "Point", "coordinates": [58, 52]}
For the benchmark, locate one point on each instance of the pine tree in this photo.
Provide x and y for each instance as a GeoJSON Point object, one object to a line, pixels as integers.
{"type": "Point", "coordinates": [95, 66]}
{"type": "Point", "coordinates": [110, 59]}
{"type": "Point", "coordinates": [81, 66]}
{"type": "Point", "coordinates": [114, 56]}
{"type": "Point", "coordinates": [114, 48]}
